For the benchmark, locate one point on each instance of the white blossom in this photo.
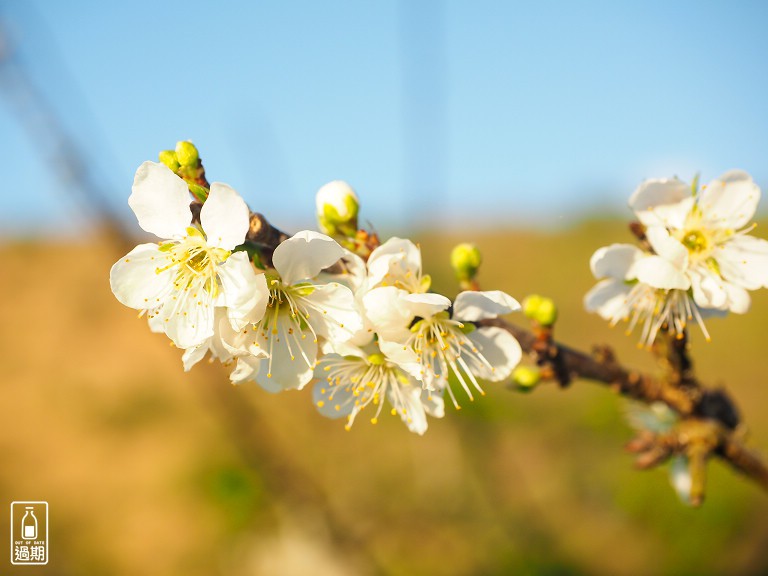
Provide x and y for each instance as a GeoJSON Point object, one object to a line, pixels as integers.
{"type": "Point", "coordinates": [367, 377]}
{"type": "Point", "coordinates": [397, 262]}
{"type": "Point", "coordinates": [301, 310]}
{"type": "Point", "coordinates": [447, 345]}
{"type": "Point", "coordinates": [180, 281]}
{"type": "Point", "coordinates": [642, 289]}
{"type": "Point", "coordinates": [706, 235]}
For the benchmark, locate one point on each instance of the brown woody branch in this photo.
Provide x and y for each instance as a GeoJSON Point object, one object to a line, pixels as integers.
{"type": "Point", "coordinates": [709, 418]}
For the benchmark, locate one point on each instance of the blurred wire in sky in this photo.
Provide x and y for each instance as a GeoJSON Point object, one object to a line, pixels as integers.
{"type": "Point", "coordinates": [422, 54]}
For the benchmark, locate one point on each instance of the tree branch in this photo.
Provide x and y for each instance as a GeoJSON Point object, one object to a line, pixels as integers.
{"type": "Point", "coordinates": [709, 418]}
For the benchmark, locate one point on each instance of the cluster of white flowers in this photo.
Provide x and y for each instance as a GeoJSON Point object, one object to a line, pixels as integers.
{"type": "Point", "coordinates": [363, 331]}
{"type": "Point", "coordinates": [697, 260]}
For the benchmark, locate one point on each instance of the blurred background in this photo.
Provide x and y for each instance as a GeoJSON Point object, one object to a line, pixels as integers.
{"type": "Point", "coordinates": [522, 127]}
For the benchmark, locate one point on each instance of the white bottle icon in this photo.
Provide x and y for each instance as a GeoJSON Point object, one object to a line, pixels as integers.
{"type": "Point", "coordinates": [29, 524]}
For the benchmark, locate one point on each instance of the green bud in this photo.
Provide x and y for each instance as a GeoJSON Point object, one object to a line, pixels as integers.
{"type": "Point", "coordinates": [465, 261]}
{"type": "Point", "coordinates": [526, 378]}
{"type": "Point", "coordinates": [337, 209]}
{"type": "Point", "coordinates": [199, 192]}
{"type": "Point", "coordinates": [168, 157]}
{"type": "Point", "coordinates": [187, 153]}
{"type": "Point", "coordinates": [540, 309]}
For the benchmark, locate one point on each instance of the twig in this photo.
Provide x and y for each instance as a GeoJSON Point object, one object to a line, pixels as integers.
{"type": "Point", "coordinates": [709, 418]}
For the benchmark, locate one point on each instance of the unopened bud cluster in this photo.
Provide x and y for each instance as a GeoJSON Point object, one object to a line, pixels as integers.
{"type": "Point", "coordinates": [540, 309]}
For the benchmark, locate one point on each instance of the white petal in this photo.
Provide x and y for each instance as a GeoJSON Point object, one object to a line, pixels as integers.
{"type": "Point", "coordinates": [662, 201]}
{"type": "Point", "coordinates": [160, 200]}
{"type": "Point", "coordinates": [738, 299]}
{"type": "Point", "coordinates": [426, 305]}
{"type": "Point", "coordinates": [225, 217]}
{"type": "Point", "coordinates": [156, 323]}
{"type": "Point", "coordinates": [433, 403]}
{"type": "Point", "coordinates": [408, 398]}
{"type": "Point", "coordinates": [135, 279]}
{"type": "Point", "coordinates": [608, 298]}
{"type": "Point", "coordinates": [329, 347]}
{"type": "Point", "coordinates": [234, 343]}
{"type": "Point", "coordinates": [402, 356]}
{"type": "Point", "coordinates": [667, 247]}
{"type": "Point", "coordinates": [247, 368]}
{"type": "Point", "coordinates": [287, 368]}
{"type": "Point", "coordinates": [660, 273]}
{"type": "Point", "coordinates": [614, 261]}
{"type": "Point", "coordinates": [472, 306]}
{"type": "Point", "coordinates": [333, 312]}
{"type": "Point", "coordinates": [227, 342]}
{"type": "Point", "coordinates": [245, 292]}
{"type": "Point", "coordinates": [326, 397]}
{"type": "Point", "coordinates": [189, 318]}
{"type": "Point", "coordinates": [303, 256]}
{"type": "Point", "coordinates": [729, 202]}
{"type": "Point", "coordinates": [364, 336]}
{"type": "Point", "coordinates": [388, 315]}
{"type": "Point", "coordinates": [499, 348]}
{"type": "Point", "coordinates": [743, 260]}
{"type": "Point", "coordinates": [193, 355]}
{"type": "Point", "coordinates": [396, 256]}
{"type": "Point", "coordinates": [708, 289]}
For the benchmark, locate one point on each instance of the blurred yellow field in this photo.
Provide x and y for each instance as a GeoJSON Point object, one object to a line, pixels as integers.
{"type": "Point", "coordinates": [150, 470]}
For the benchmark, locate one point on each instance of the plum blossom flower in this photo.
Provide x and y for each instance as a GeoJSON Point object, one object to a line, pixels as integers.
{"type": "Point", "coordinates": [300, 311]}
{"type": "Point", "coordinates": [181, 280]}
{"type": "Point", "coordinates": [397, 262]}
{"type": "Point", "coordinates": [225, 345]}
{"type": "Point", "coordinates": [643, 289]}
{"type": "Point", "coordinates": [396, 289]}
{"type": "Point", "coordinates": [706, 235]}
{"type": "Point", "coordinates": [446, 344]}
{"type": "Point", "coordinates": [366, 377]}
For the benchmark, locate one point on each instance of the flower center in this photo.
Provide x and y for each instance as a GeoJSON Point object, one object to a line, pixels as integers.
{"type": "Point", "coordinates": [442, 347]}
{"type": "Point", "coordinates": [655, 310]}
{"type": "Point", "coordinates": [354, 383]}
{"type": "Point", "coordinates": [286, 321]}
{"type": "Point", "coordinates": [696, 241]}
{"type": "Point", "coordinates": [195, 262]}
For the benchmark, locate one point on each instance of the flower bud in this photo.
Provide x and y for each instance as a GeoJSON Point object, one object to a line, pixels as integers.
{"type": "Point", "coordinates": [465, 261]}
{"type": "Point", "coordinates": [540, 309]}
{"type": "Point", "coordinates": [337, 208]}
{"type": "Point", "coordinates": [526, 378]}
{"type": "Point", "coordinates": [187, 154]}
{"type": "Point", "coordinates": [168, 157]}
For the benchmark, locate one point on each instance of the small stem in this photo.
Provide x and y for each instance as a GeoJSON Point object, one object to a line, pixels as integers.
{"type": "Point", "coordinates": [697, 466]}
{"type": "Point", "coordinates": [713, 412]}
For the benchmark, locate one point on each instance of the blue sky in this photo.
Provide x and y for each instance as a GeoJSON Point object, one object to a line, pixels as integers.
{"type": "Point", "coordinates": [531, 113]}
